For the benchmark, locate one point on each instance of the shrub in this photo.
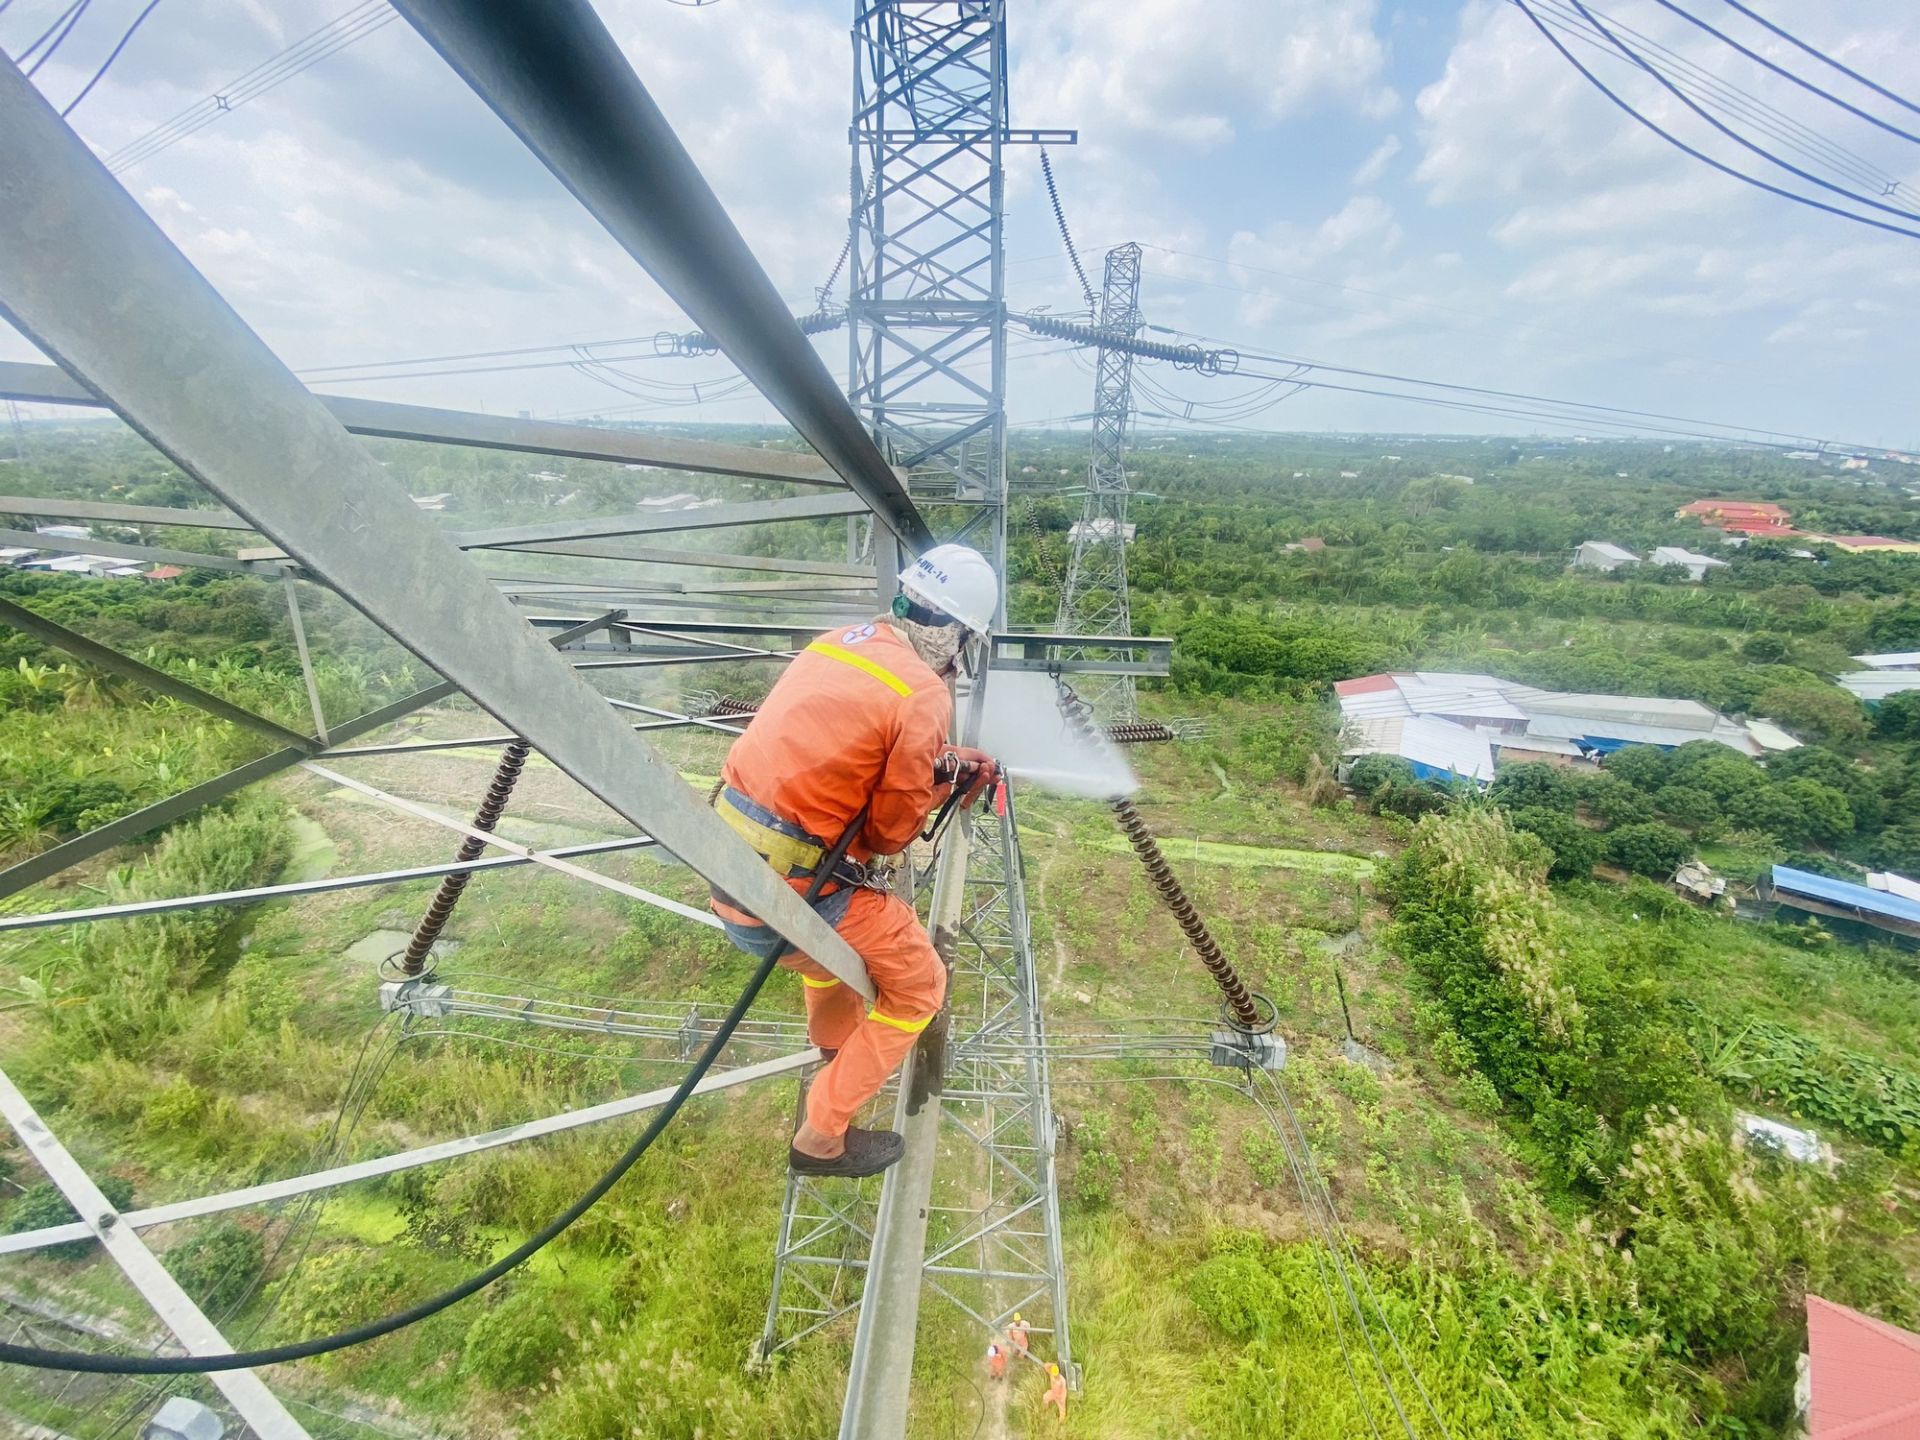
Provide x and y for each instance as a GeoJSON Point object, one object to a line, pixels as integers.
{"type": "Point", "coordinates": [515, 1341]}
{"type": "Point", "coordinates": [1645, 767]}
{"type": "Point", "coordinates": [1615, 802]}
{"type": "Point", "coordinates": [1898, 716]}
{"type": "Point", "coordinates": [219, 1266]}
{"type": "Point", "coordinates": [1687, 805]}
{"type": "Point", "coordinates": [1818, 712]}
{"type": "Point", "coordinates": [43, 1205]}
{"type": "Point", "coordinates": [1567, 1021]}
{"type": "Point", "coordinates": [1576, 849]}
{"type": "Point", "coordinates": [1534, 787]}
{"type": "Point", "coordinates": [1651, 849]}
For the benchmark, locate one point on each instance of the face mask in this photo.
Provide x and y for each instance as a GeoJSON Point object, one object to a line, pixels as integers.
{"type": "Point", "coordinates": [935, 644]}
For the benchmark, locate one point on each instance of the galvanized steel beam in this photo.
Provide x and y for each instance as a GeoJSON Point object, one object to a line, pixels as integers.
{"type": "Point", "coordinates": [244, 1390]}
{"type": "Point", "coordinates": [50, 632]}
{"type": "Point", "coordinates": [560, 82]}
{"type": "Point", "coordinates": [88, 276]}
{"type": "Point", "coordinates": [49, 385]}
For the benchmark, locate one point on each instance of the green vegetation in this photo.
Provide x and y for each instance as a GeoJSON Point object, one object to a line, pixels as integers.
{"type": "Point", "coordinates": [1539, 1183]}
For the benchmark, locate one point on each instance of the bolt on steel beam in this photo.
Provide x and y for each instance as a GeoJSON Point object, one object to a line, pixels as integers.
{"type": "Point", "coordinates": [244, 1390]}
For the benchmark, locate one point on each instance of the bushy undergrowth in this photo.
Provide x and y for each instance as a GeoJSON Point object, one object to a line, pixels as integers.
{"type": "Point", "coordinates": [1698, 1251]}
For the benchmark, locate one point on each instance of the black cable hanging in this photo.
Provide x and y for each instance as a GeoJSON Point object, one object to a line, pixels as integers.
{"type": "Point", "coordinates": [38, 1358]}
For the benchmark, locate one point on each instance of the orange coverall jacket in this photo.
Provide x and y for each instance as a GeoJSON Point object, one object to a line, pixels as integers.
{"type": "Point", "coordinates": [857, 719]}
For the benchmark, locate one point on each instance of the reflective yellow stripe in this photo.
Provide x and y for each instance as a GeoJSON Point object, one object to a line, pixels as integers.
{"type": "Point", "coordinates": [860, 662]}
{"type": "Point", "coordinates": [783, 852]}
{"type": "Point", "coordinates": [912, 1027]}
{"type": "Point", "coordinates": [813, 984]}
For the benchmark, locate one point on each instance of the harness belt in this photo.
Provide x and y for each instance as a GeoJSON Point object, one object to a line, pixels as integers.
{"type": "Point", "coordinates": [791, 851]}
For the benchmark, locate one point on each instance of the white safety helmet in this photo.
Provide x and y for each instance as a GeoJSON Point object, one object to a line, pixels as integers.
{"type": "Point", "coordinates": [957, 581]}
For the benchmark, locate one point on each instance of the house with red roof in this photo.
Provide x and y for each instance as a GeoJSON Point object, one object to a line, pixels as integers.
{"type": "Point", "coordinates": [1862, 1378]}
{"type": "Point", "coordinates": [1742, 517]}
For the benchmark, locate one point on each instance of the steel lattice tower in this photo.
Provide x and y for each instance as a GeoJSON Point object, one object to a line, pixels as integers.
{"type": "Point", "coordinates": [927, 316]}
{"type": "Point", "coordinates": [1094, 600]}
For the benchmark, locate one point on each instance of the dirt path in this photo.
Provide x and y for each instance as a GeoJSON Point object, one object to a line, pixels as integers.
{"type": "Point", "coordinates": [1059, 973]}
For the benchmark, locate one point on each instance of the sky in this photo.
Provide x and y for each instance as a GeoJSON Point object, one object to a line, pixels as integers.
{"type": "Point", "coordinates": [1423, 188]}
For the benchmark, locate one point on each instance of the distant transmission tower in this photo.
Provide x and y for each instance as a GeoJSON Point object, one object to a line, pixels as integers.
{"type": "Point", "coordinates": [1094, 600]}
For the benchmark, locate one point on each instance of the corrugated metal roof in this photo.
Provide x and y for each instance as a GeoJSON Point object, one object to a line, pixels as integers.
{"type": "Point", "coordinates": [1863, 1375]}
{"type": "Point", "coordinates": [1678, 555]}
{"type": "Point", "coordinates": [1873, 685]}
{"type": "Point", "coordinates": [1537, 744]}
{"type": "Point", "coordinates": [1364, 685]}
{"type": "Point", "coordinates": [1898, 660]}
{"type": "Point", "coordinates": [1840, 892]}
{"type": "Point", "coordinates": [1361, 707]}
{"type": "Point", "coordinates": [1630, 709]}
{"type": "Point", "coordinates": [1891, 884]}
{"type": "Point", "coordinates": [1426, 740]}
{"type": "Point", "coordinates": [1771, 736]}
{"type": "Point", "coordinates": [1600, 727]}
{"type": "Point", "coordinates": [1482, 702]}
{"type": "Point", "coordinates": [1606, 548]}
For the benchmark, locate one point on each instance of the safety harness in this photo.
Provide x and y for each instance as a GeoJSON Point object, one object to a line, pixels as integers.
{"type": "Point", "coordinates": [791, 851]}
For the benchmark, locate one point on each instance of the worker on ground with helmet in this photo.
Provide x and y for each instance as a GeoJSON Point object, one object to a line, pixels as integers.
{"type": "Point", "coordinates": [1056, 1390]}
{"type": "Point", "coordinates": [859, 721]}
{"type": "Point", "coordinates": [996, 1360]}
{"type": "Point", "coordinates": [1017, 1333]}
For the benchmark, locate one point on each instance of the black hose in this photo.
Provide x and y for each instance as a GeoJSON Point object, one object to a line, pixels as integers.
{"type": "Point", "coordinates": [360, 1334]}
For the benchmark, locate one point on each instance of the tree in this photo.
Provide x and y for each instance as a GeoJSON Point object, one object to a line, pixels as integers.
{"type": "Point", "coordinates": [1687, 805]}
{"type": "Point", "coordinates": [1863, 788]}
{"type": "Point", "coordinates": [1723, 773]}
{"type": "Point", "coordinates": [1615, 801]}
{"type": "Point", "coordinates": [1645, 767]}
{"type": "Point", "coordinates": [1576, 849]}
{"type": "Point", "coordinates": [1765, 648]}
{"type": "Point", "coordinates": [218, 1266]}
{"type": "Point", "coordinates": [1823, 813]}
{"type": "Point", "coordinates": [1534, 786]}
{"type": "Point", "coordinates": [1823, 712]}
{"type": "Point", "coordinates": [1898, 716]}
{"type": "Point", "coordinates": [1651, 849]}
{"type": "Point", "coordinates": [1896, 628]}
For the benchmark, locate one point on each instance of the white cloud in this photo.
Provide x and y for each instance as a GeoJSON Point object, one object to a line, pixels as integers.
{"type": "Point", "coordinates": [1171, 71]}
{"type": "Point", "coordinates": [1375, 165]}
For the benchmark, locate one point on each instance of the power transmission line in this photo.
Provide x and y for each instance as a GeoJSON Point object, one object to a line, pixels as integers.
{"type": "Point", "coordinates": [112, 56]}
{"type": "Point", "coordinates": [336, 35]}
{"type": "Point", "coordinates": [1683, 146]}
{"type": "Point", "coordinates": [1731, 99]}
{"type": "Point", "coordinates": [1822, 55]}
{"type": "Point", "coordinates": [1786, 74]}
{"type": "Point", "coordinates": [1639, 60]}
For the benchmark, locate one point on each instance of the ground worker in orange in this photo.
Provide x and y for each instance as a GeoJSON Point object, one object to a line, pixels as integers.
{"type": "Point", "coordinates": [996, 1361]}
{"type": "Point", "coordinates": [1057, 1390]}
{"type": "Point", "coordinates": [859, 721]}
{"type": "Point", "coordinates": [1017, 1332]}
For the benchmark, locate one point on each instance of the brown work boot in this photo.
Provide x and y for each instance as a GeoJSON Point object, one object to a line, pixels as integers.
{"type": "Point", "coordinates": [868, 1152]}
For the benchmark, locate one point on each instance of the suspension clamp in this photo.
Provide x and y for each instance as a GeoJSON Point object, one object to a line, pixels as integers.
{"type": "Point", "coordinates": [424, 996]}
{"type": "Point", "coordinates": [1242, 1047]}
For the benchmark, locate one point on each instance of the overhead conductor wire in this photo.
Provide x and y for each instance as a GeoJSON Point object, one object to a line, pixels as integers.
{"type": "Point", "coordinates": [1822, 55]}
{"type": "Point", "coordinates": [1700, 155]}
{"type": "Point", "coordinates": [1641, 61]}
{"type": "Point", "coordinates": [112, 56]}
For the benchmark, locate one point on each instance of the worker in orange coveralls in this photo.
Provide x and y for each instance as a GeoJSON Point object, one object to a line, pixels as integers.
{"type": "Point", "coordinates": [1017, 1332]}
{"type": "Point", "coordinates": [1057, 1391]}
{"type": "Point", "coordinates": [996, 1360]}
{"type": "Point", "coordinates": [859, 719]}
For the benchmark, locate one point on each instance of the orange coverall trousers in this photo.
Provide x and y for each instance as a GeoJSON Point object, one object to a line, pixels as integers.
{"type": "Point", "coordinates": [909, 981]}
